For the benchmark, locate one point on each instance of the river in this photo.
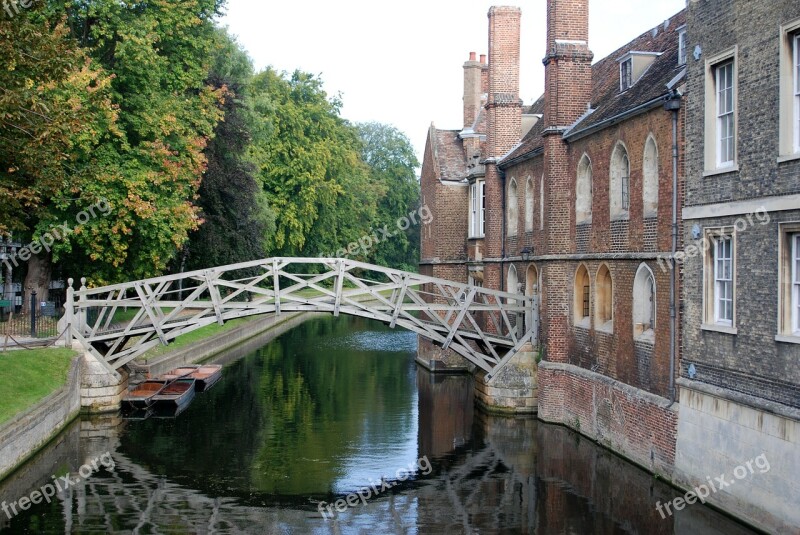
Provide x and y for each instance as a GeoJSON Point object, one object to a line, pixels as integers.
{"type": "Point", "coordinates": [331, 412]}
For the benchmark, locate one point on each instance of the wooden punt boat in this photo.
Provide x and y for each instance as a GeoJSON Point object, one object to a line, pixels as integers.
{"type": "Point", "coordinates": [205, 376]}
{"type": "Point", "coordinates": [142, 396]}
{"type": "Point", "coordinates": [176, 393]}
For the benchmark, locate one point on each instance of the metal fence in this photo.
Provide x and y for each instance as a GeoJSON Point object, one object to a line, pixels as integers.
{"type": "Point", "coordinates": [41, 321]}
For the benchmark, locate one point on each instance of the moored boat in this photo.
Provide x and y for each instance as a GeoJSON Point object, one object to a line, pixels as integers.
{"type": "Point", "coordinates": [205, 376]}
{"type": "Point", "coordinates": [142, 396]}
{"type": "Point", "coordinates": [177, 393]}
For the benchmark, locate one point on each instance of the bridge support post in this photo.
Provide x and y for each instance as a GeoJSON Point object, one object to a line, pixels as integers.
{"type": "Point", "coordinates": [101, 392]}
{"type": "Point", "coordinates": [432, 357]}
{"type": "Point", "coordinates": [515, 388]}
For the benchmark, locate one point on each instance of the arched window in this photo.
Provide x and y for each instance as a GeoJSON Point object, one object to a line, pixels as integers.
{"type": "Point", "coordinates": [583, 191]}
{"type": "Point", "coordinates": [580, 294]}
{"type": "Point", "coordinates": [644, 303]}
{"type": "Point", "coordinates": [620, 183]}
{"type": "Point", "coordinates": [512, 282]}
{"type": "Point", "coordinates": [512, 208]}
{"type": "Point", "coordinates": [541, 203]}
{"type": "Point", "coordinates": [529, 205]}
{"type": "Point", "coordinates": [650, 174]}
{"type": "Point", "coordinates": [604, 300]}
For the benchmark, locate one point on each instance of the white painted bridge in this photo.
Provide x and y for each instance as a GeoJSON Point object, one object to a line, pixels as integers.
{"type": "Point", "coordinates": [120, 322]}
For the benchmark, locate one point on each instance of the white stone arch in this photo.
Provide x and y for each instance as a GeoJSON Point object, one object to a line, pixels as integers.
{"type": "Point", "coordinates": [644, 303]}
{"type": "Point", "coordinates": [619, 193]}
{"type": "Point", "coordinates": [583, 191]}
{"type": "Point", "coordinates": [650, 177]}
{"type": "Point", "coordinates": [512, 207]}
{"type": "Point", "coordinates": [604, 299]}
{"type": "Point", "coordinates": [581, 296]}
{"type": "Point", "coordinates": [529, 206]}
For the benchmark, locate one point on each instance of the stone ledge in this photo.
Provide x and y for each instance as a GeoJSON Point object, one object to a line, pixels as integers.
{"type": "Point", "coordinates": [772, 407]}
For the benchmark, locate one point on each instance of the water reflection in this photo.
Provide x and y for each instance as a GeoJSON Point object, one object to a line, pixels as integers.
{"type": "Point", "coordinates": [320, 412]}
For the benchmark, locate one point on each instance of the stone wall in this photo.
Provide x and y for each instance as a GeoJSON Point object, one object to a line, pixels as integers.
{"type": "Point", "coordinates": [23, 436]}
{"type": "Point", "coordinates": [718, 433]}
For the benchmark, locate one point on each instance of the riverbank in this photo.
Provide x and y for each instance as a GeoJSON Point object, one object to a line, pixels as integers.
{"type": "Point", "coordinates": [40, 409]}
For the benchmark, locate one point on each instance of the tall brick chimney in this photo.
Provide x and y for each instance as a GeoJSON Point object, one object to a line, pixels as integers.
{"type": "Point", "coordinates": [504, 125]}
{"type": "Point", "coordinates": [472, 90]}
{"type": "Point", "coordinates": [568, 63]}
{"type": "Point", "coordinates": [568, 90]}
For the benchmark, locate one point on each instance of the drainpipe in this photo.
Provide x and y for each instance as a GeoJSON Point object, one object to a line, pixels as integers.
{"type": "Point", "coordinates": [673, 104]}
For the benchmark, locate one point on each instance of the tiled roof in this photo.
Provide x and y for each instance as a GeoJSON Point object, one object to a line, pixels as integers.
{"type": "Point", "coordinates": [449, 154]}
{"type": "Point", "coordinates": [607, 101]}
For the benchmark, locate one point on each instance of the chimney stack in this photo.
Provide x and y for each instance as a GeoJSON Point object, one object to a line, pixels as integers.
{"type": "Point", "coordinates": [472, 90]}
{"type": "Point", "coordinates": [568, 63]}
{"type": "Point", "coordinates": [503, 104]}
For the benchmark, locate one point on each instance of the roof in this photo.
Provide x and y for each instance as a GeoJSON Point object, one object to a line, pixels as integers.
{"type": "Point", "coordinates": [448, 154]}
{"type": "Point", "coordinates": [607, 101]}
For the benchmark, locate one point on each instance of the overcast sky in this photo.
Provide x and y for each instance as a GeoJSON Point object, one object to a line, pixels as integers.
{"type": "Point", "coordinates": [401, 62]}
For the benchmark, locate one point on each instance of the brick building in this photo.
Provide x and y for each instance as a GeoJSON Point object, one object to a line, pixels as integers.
{"type": "Point", "coordinates": [571, 198]}
{"type": "Point", "coordinates": [740, 373]}
{"type": "Point", "coordinates": [669, 307]}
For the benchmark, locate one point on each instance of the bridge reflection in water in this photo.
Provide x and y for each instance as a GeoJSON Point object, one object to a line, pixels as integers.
{"type": "Point", "coordinates": [490, 474]}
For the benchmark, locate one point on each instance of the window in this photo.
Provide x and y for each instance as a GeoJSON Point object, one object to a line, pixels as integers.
{"type": "Point", "coordinates": [512, 208]}
{"type": "Point", "coordinates": [682, 47]}
{"type": "Point", "coordinates": [650, 174]}
{"type": "Point", "coordinates": [789, 280]}
{"type": "Point", "coordinates": [620, 183]}
{"type": "Point", "coordinates": [581, 292]}
{"type": "Point", "coordinates": [725, 119]}
{"type": "Point", "coordinates": [477, 213]}
{"type": "Point", "coordinates": [719, 279]}
{"type": "Point", "coordinates": [721, 111]}
{"type": "Point", "coordinates": [789, 137]}
{"type": "Point", "coordinates": [529, 205]}
{"type": "Point", "coordinates": [644, 303]}
{"type": "Point", "coordinates": [541, 203]}
{"type": "Point", "coordinates": [512, 284]}
{"type": "Point", "coordinates": [583, 191]}
{"type": "Point", "coordinates": [625, 74]}
{"type": "Point", "coordinates": [795, 238]}
{"type": "Point", "coordinates": [604, 300]}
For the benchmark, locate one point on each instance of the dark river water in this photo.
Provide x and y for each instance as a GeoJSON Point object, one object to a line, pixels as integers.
{"type": "Point", "coordinates": [337, 409]}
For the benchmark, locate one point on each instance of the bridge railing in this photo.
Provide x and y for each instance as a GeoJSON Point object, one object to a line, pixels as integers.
{"type": "Point", "coordinates": [120, 322]}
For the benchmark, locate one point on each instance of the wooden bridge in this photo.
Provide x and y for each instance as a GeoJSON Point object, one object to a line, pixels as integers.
{"type": "Point", "coordinates": [486, 327]}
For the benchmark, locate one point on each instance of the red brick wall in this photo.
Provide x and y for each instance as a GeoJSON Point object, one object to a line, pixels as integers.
{"type": "Point", "coordinates": [624, 419]}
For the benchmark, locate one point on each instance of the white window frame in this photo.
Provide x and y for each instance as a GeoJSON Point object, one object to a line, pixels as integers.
{"type": "Point", "coordinates": [625, 74]}
{"type": "Point", "coordinates": [795, 282]}
{"type": "Point", "coordinates": [796, 84]}
{"type": "Point", "coordinates": [723, 280]}
{"type": "Point", "coordinates": [725, 113]}
{"type": "Point", "coordinates": [477, 209]}
{"type": "Point", "coordinates": [721, 112]}
{"type": "Point", "coordinates": [682, 47]}
{"type": "Point", "coordinates": [714, 318]}
{"type": "Point", "coordinates": [530, 204]}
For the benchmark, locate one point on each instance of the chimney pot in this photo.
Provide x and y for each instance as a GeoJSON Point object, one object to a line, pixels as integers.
{"type": "Point", "coordinates": [472, 56]}
{"type": "Point", "coordinates": [483, 59]}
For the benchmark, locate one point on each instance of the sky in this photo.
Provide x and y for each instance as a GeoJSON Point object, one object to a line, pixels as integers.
{"type": "Point", "coordinates": [401, 63]}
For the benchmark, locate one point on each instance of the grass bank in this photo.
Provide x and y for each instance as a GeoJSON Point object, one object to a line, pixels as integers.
{"type": "Point", "coordinates": [195, 336]}
{"type": "Point", "coordinates": [27, 377]}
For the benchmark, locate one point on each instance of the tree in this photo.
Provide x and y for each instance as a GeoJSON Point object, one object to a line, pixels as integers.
{"type": "Point", "coordinates": [310, 167]}
{"type": "Point", "coordinates": [237, 220]}
{"type": "Point", "coordinates": [149, 171]}
{"type": "Point", "coordinates": [392, 163]}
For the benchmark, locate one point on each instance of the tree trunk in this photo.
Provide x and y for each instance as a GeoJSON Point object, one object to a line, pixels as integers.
{"type": "Point", "coordinates": [37, 280]}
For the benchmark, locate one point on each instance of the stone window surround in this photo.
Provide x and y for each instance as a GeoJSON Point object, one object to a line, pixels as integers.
{"type": "Point", "coordinates": [711, 234]}
{"type": "Point", "coordinates": [789, 136]}
{"type": "Point", "coordinates": [583, 189]}
{"type": "Point", "coordinates": [682, 45]}
{"type": "Point", "coordinates": [604, 300]}
{"type": "Point", "coordinates": [619, 182]}
{"type": "Point", "coordinates": [650, 178]}
{"type": "Point", "coordinates": [788, 250]}
{"type": "Point", "coordinates": [529, 204]}
{"type": "Point", "coordinates": [643, 282]}
{"type": "Point", "coordinates": [711, 145]}
{"type": "Point", "coordinates": [477, 209]}
{"type": "Point", "coordinates": [512, 207]}
{"type": "Point", "coordinates": [581, 297]}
